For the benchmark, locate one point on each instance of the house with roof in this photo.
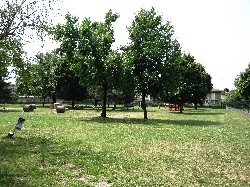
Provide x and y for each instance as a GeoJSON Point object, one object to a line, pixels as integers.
{"type": "Point", "coordinates": [216, 96]}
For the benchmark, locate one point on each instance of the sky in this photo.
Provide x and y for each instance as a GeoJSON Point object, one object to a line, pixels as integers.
{"type": "Point", "coordinates": [215, 32]}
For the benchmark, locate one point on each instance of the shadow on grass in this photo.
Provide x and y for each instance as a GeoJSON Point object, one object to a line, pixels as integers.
{"type": "Point", "coordinates": [200, 111]}
{"type": "Point", "coordinates": [11, 110]}
{"type": "Point", "coordinates": [118, 109]}
{"type": "Point", "coordinates": [152, 122]}
{"type": "Point", "coordinates": [14, 159]}
{"type": "Point", "coordinates": [25, 159]}
{"type": "Point", "coordinates": [197, 113]}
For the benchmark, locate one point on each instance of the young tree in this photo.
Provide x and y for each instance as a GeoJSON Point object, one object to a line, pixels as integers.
{"type": "Point", "coordinates": [68, 85]}
{"type": "Point", "coordinates": [150, 49]}
{"type": "Point", "coordinates": [201, 84]}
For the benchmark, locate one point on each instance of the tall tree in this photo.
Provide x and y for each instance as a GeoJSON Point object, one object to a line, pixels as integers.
{"type": "Point", "coordinates": [68, 83]}
{"type": "Point", "coordinates": [150, 51]}
{"type": "Point", "coordinates": [96, 39]}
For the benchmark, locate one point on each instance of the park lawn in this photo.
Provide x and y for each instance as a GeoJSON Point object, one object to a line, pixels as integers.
{"type": "Point", "coordinates": [204, 147]}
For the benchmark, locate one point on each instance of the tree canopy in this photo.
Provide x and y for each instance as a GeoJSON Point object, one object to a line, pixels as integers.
{"type": "Point", "coordinates": [17, 21]}
{"type": "Point", "coordinates": [150, 52]}
{"type": "Point", "coordinates": [195, 83]}
{"type": "Point", "coordinates": [242, 83]}
{"type": "Point", "coordinates": [99, 62]}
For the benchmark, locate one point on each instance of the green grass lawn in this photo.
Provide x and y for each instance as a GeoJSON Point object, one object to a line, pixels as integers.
{"type": "Point", "coordinates": [204, 147]}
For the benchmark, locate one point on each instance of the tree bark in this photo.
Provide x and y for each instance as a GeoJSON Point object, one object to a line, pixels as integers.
{"type": "Point", "coordinates": [54, 99]}
{"type": "Point", "coordinates": [44, 100]}
{"type": "Point", "coordinates": [95, 104]}
{"type": "Point", "coordinates": [144, 107]}
{"type": "Point", "coordinates": [195, 105]}
{"type": "Point", "coordinates": [181, 107]}
{"type": "Point", "coordinates": [104, 99]}
{"type": "Point", "coordinates": [114, 106]}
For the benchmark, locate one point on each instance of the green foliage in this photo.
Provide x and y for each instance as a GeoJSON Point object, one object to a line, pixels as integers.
{"type": "Point", "coordinates": [150, 41]}
{"type": "Point", "coordinates": [18, 20]}
{"type": "Point", "coordinates": [195, 82]}
{"type": "Point", "coordinates": [68, 82]}
{"type": "Point", "coordinates": [152, 50]}
{"type": "Point", "coordinates": [233, 95]}
{"type": "Point", "coordinates": [6, 94]}
{"type": "Point", "coordinates": [38, 79]}
{"type": "Point", "coordinates": [45, 74]}
{"type": "Point", "coordinates": [242, 83]}
{"type": "Point", "coordinates": [96, 39]}
{"type": "Point", "coordinates": [26, 80]}
{"type": "Point", "coordinates": [98, 62]}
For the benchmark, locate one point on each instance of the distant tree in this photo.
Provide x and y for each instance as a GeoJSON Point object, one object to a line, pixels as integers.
{"type": "Point", "coordinates": [195, 83]}
{"type": "Point", "coordinates": [45, 79]}
{"type": "Point", "coordinates": [233, 96]}
{"type": "Point", "coordinates": [38, 79]}
{"type": "Point", "coordinates": [26, 84]}
{"type": "Point", "coordinates": [242, 83]}
{"type": "Point", "coordinates": [150, 49]}
{"type": "Point", "coordinates": [201, 85]}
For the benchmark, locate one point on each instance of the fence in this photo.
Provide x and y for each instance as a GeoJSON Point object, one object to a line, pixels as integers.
{"type": "Point", "coordinates": [243, 106]}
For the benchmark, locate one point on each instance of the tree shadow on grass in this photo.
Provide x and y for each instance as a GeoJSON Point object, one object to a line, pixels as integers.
{"type": "Point", "coordinates": [7, 110]}
{"type": "Point", "coordinates": [197, 113]}
{"type": "Point", "coordinates": [153, 122]}
{"type": "Point", "coordinates": [22, 159]}
{"type": "Point", "coordinates": [118, 109]}
{"type": "Point", "coordinates": [14, 152]}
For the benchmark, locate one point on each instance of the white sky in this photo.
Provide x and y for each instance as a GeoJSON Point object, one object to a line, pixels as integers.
{"type": "Point", "coordinates": [215, 32]}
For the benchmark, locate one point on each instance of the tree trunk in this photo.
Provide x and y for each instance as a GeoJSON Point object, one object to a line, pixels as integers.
{"type": "Point", "coordinates": [104, 99]}
{"type": "Point", "coordinates": [195, 105]}
{"type": "Point", "coordinates": [181, 107]}
{"type": "Point", "coordinates": [95, 104]}
{"type": "Point", "coordinates": [44, 100]}
{"type": "Point", "coordinates": [144, 107]}
{"type": "Point", "coordinates": [54, 99]}
{"type": "Point", "coordinates": [114, 106]}
{"type": "Point", "coordinates": [73, 104]}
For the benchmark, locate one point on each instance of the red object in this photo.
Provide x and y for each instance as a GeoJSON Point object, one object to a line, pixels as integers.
{"type": "Point", "coordinates": [175, 106]}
